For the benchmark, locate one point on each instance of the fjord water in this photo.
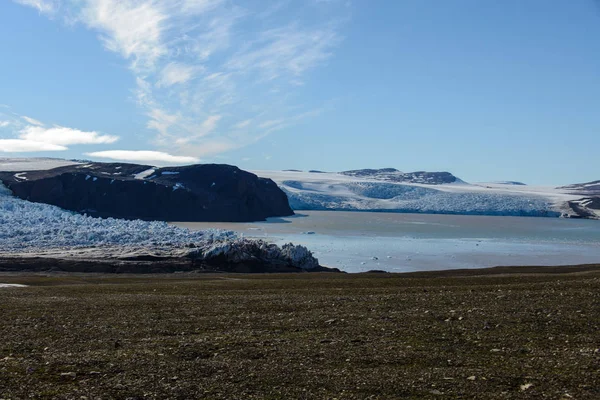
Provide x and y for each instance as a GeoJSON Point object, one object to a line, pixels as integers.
{"type": "Point", "coordinates": [362, 241]}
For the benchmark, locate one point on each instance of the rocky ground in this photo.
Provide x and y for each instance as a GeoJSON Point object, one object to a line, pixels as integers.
{"type": "Point", "coordinates": [497, 334]}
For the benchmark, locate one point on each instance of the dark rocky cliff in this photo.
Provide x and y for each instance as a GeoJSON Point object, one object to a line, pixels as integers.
{"type": "Point", "coordinates": [208, 192]}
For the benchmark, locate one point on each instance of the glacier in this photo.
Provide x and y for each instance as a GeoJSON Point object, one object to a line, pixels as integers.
{"type": "Point", "coordinates": [37, 229]}
{"type": "Point", "coordinates": [344, 192]}
{"type": "Point", "coordinates": [27, 226]}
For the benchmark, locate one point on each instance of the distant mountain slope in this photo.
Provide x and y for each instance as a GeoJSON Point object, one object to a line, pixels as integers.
{"type": "Point", "coordinates": [511, 183]}
{"type": "Point", "coordinates": [421, 192]}
{"type": "Point", "coordinates": [33, 164]}
{"type": "Point", "coordinates": [208, 192]}
{"type": "Point", "coordinates": [393, 175]}
{"type": "Point", "coordinates": [589, 188]}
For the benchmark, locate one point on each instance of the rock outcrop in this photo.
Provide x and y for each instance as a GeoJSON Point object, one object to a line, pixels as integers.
{"type": "Point", "coordinates": [588, 207]}
{"type": "Point", "coordinates": [207, 192]}
{"type": "Point", "coordinates": [393, 175]}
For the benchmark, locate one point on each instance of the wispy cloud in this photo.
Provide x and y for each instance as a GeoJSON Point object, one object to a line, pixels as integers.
{"type": "Point", "coordinates": [43, 6]}
{"type": "Point", "coordinates": [289, 51]}
{"type": "Point", "coordinates": [205, 69]}
{"type": "Point", "coordinates": [175, 73]}
{"type": "Point", "coordinates": [32, 121]}
{"type": "Point", "coordinates": [142, 156]}
{"type": "Point", "coordinates": [4, 124]}
{"type": "Point", "coordinates": [242, 124]}
{"type": "Point", "coordinates": [129, 27]}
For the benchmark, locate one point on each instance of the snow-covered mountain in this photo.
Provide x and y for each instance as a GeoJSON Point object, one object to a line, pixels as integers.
{"type": "Point", "coordinates": [585, 189]}
{"type": "Point", "coordinates": [421, 192]}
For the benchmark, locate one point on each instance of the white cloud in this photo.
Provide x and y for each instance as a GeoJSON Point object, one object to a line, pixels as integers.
{"type": "Point", "coordinates": [175, 73]}
{"type": "Point", "coordinates": [143, 156]}
{"type": "Point", "coordinates": [23, 146]}
{"type": "Point", "coordinates": [32, 121]}
{"type": "Point", "coordinates": [4, 124]}
{"type": "Point", "coordinates": [132, 28]}
{"type": "Point", "coordinates": [59, 135]}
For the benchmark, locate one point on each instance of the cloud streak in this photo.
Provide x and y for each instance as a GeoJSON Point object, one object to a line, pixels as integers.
{"type": "Point", "coordinates": [142, 156]}
{"type": "Point", "coordinates": [62, 136]}
{"type": "Point", "coordinates": [27, 146]}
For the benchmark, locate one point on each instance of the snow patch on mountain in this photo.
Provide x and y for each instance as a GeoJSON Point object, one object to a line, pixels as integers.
{"type": "Point", "coordinates": [144, 174]}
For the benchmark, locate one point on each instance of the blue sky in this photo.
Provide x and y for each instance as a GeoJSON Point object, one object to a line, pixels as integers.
{"type": "Point", "coordinates": [487, 89]}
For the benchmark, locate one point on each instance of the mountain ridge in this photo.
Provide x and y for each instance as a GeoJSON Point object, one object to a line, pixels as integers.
{"type": "Point", "coordinates": [201, 192]}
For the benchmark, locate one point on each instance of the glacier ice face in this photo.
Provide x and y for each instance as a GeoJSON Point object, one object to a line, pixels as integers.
{"type": "Point", "coordinates": [29, 226]}
{"type": "Point", "coordinates": [36, 228]}
{"type": "Point", "coordinates": [376, 196]}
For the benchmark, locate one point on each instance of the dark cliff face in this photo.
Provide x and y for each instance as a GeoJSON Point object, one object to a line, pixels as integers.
{"type": "Point", "coordinates": [209, 192]}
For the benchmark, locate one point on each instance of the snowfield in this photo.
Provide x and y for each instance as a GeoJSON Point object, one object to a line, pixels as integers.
{"type": "Point", "coordinates": [335, 191]}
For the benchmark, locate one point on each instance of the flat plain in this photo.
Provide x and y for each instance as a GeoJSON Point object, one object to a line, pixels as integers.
{"type": "Point", "coordinates": [508, 333]}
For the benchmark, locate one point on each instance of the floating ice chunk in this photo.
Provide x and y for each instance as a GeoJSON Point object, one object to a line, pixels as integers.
{"type": "Point", "coordinates": [169, 173]}
{"type": "Point", "coordinates": [20, 176]}
{"type": "Point", "coordinates": [87, 177]}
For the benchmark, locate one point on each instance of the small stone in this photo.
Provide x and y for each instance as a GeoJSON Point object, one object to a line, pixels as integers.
{"type": "Point", "coordinates": [472, 378]}
{"type": "Point", "coordinates": [526, 386]}
{"type": "Point", "coordinates": [330, 321]}
{"type": "Point", "coordinates": [68, 374]}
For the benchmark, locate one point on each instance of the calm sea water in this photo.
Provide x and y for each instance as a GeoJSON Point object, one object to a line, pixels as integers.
{"type": "Point", "coordinates": [362, 241]}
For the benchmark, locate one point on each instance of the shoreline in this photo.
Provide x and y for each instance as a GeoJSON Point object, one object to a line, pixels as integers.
{"type": "Point", "coordinates": [183, 267]}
